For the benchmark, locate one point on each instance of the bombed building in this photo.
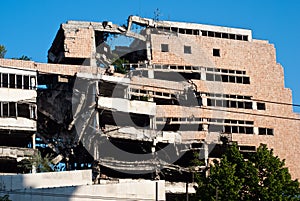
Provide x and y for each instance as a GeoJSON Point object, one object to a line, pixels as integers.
{"type": "Point", "coordinates": [138, 100]}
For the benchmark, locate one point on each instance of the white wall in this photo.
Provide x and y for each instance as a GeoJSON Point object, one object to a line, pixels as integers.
{"type": "Point", "coordinates": [45, 180]}
{"type": "Point", "coordinates": [129, 190]}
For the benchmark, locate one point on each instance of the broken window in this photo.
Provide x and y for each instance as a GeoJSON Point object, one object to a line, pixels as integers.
{"type": "Point", "coordinates": [216, 52]}
{"type": "Point", "coordinates": [23, 110]}
{"type": "Point", "coordinates": [187, 50]}
{"type": "Point", "coordinates": [164, 47]}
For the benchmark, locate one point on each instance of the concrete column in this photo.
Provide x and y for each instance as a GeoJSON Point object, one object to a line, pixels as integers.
{"type": "Point", "coordinates": [255, 130]}
{"type": "Point", "coordinates": [33, 141]}
{"type": "Point", "coordinates": [254, 105]}
{"type": "Point", "coordinates": [93, 48]}
{"type": "Point", "coordinates": [205, 125]}
{"type": "Point", "coordinates": [203, 74]}
{"type": "Point", "coordinates": [148, 44]}
{"type": "Point", "coordinates": [151, 73]}
{"type": "Point", "coordinates": [204, 99]}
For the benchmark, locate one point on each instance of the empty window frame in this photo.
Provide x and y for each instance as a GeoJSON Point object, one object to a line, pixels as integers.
{"type": "Point", "coordinates": [187, 49]}
{"type": "Point", "coordinates": [216, 52]}
{"type": "Point", "coordinates": [164, 47]}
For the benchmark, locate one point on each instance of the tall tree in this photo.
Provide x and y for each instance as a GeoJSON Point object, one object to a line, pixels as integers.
{"type": "Point", "coordinates": [261, 177]}
{"type": "Point", "coordinates": [2, 51]}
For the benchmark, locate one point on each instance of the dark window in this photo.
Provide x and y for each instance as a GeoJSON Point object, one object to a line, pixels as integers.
{"type": "Point", "coordinates": [232, 36]}
{"type": "Point", "coordinates": [239, 37]}
{"type": "Point", "coordinates": [240, 104]}
{"type": "Point", "coordinates": [232, 79]}
{"type": "Point", "coordinates": [239, 79]}
{"type": "Point", "coordinates": [12, 109]}
{"type": "Point", "coordinates": [12, 81]}
{"type": "Point", "coordinates": [224, 78]}
{"type": "Point", "coordinates": [5, 109]}
{"type": "Point", "coordinates": [26, 82]}
{"type": "Point", "coordinates": [211, 34]}
{"type": "Point", "coordinates": [218, 35]}
{"type": "Point", "coordinates": [270, 131]}
{"type": "Point", "coordinates": [242, 129]}
{"type": "Point", "coordinates": [225, 35]}
{"type": "Point", "coordinates": [218, 78]}
{"type": "Point", "coordinates": [245, 38]}
{"type": "Point", "coordinates": [216, 52]}
{"type": "Point", "coordinates": [234, 129]}
{"type": "Point", "coordinates": [233, 104]}
{"type": "Point", "coordinates": [262, 131]}
{"type": "Point", "coordinates": [246, 80]}
{"type": "Point", "coordinates": [249, 130]}
{"type": "Point", "coordinates": [219, 103]}
{"type": "Point", "coordinates": [4, 80]}
{"type": "Point", "coordinates": [187, 50]}
{"type": "Point", "coordinates": [23, 110]}
{"type": "Point", "coordinates": [209, 77]}
{"type": "Point", "coordinates": [248, 105]}
{"type": "Point", "coordinates": [261, 106]}
{"type": "Point", "coordinates": [204, 33]}
{"type": "Point", "coordinates": [164, 47]}
{"type": "Point", "coordinates": [19, 81]}
{"type": "Point", "coordinates": [227, 129]}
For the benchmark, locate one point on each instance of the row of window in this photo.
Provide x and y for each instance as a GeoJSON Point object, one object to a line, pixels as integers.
{"type": "Point", "coordinates": [216, 95]}
{"type": "Point", "coordinates": [214, 125]}
{"type": "Point", "coordinates": [213, 121]}
{"type": "Point", "coordinates": [13, 109]}
{"type": "Point", "coordinates": [213, 74]}
{"type": "Point", "coordinates": [227, 78]}
{"type": "Point", "coordinates": [213, 100]}
{"type": "Point", "coordinates": [17, 81]}
{"type": "Point", "coordinates": [186, 49]}
{"type": "Point", "coordinates": [205, 33]}
{"type": "Point", "coordinates": [234, 104]}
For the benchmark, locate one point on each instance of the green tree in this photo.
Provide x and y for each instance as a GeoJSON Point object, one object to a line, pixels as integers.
{"type": "Point", "coordinates": [5, 198]}
{"type": "Point", "coordinates": [2, 51]}
{"type": "Point", "coordinates": [23, 57]}
{"type": "Point", "coordinates": [261, 177]}
{"type": "Point", "coordinates": [42, 164]}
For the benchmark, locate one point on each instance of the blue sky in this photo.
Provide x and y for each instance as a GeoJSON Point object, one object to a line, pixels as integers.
{"type": "Point", "coordinates": [29, 27]}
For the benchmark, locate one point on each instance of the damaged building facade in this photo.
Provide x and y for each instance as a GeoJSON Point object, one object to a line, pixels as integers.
{"type": "Point", "coordinates": [138, 100]}
{"type": "Point", "coordinates": [17, 116]}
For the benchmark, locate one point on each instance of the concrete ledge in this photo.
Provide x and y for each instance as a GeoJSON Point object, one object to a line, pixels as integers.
{"type": "Point", "coordinates": [45, 180]}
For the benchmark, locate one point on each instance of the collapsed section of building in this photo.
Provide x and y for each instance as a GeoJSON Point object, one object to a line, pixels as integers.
{"type": "Point", "coordinates": [139, 100]}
